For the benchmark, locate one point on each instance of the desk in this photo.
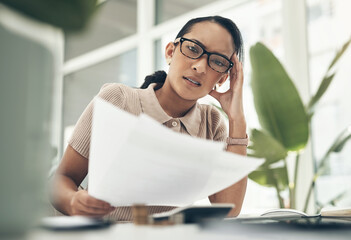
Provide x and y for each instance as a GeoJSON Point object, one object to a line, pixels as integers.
{"type": "Point", "coordinates": [216, 231]}
{"type": "Point", "coordinates": [123, 231]}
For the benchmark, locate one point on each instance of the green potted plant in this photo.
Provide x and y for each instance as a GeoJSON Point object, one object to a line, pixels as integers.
{"type": "Point", "coordinates": [69, 15]}
{"type": "Point", "coordinates": [285, 121]}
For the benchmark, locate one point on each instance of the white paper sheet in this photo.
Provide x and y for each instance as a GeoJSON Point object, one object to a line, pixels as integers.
{"type": "Point", "coordinates": [137, 160]}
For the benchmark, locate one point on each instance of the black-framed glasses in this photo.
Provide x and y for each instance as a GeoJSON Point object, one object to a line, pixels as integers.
{"type": "Point", "coordinates": [193, 50]}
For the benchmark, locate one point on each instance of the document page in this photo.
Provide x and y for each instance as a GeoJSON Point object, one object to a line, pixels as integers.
{"type": "Point", "coordinates": [134, 159]}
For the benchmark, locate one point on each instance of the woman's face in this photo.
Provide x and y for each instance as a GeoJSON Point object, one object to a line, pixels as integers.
{"type": "Point", "coordinates": [214, 38]}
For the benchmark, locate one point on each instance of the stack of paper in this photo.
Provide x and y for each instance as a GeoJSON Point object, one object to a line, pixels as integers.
{"type": "Point", "coordinates": [134, 159]}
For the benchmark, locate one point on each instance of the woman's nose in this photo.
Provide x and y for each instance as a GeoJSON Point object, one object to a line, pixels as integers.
{"type": "Point", "coordinates": [200, 64]}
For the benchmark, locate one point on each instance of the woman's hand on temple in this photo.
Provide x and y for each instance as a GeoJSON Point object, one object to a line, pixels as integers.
{"type": "Point", "coordinates": [84, 204]}
{"type": "Point", "coordinates": [231, 100]}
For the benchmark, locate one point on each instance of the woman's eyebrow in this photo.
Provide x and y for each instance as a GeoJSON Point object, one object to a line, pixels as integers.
{"type": "Point", "coordinates": [198, 42]}
{"type": "Point", "coordinates": [203, 46]}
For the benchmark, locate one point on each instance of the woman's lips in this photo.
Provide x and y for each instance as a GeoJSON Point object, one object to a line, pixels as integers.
{"type": "Point", "coordinates": [192, 81]}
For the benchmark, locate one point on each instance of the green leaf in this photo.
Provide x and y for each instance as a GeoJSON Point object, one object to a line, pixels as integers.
{"type": "Point", "coordinates": [327, 79]}
{"type": "Point", "coordinates": [270, 177]}
{"type": "Point", "coordinates": [279, 107]}
{"type": "Point", "coordinates": [341, 140]}
{"type": "Point", "coordinates": [66, 14]}
{"type": "Point", "coordinates": [336, 147]}
{"type": "Point", "coordinates": [337, 198]}
{"type": "Point", "coordinates": [339, 54]}
{"type": "Point", "coordinates": [265, 146]}
{"type": "Point", "coordinates": [321, 90]}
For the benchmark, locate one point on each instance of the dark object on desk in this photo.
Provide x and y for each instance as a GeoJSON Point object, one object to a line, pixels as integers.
{"type": "Point", "coordinates": [68, 223]}
{"type": "Point", "coordinates": [315, 228]}
{"type": "Point", "coordinates": [196, 214]}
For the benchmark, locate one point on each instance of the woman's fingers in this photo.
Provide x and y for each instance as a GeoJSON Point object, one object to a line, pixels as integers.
{"type": "Point", "coordinates": [90, 201]}
{"type": "Point", "coordinates": [84, 204]}
{"type": "Point", "coordinates": [90, 214]}
{"type": "Point", "coordinates": [82, 209]}
{"type": "Point", "coordinates": [236, 73]}
{"type": "Point", "coordinates": [233, 71]}
{"type": "Point", "coordinates": [94, 211]}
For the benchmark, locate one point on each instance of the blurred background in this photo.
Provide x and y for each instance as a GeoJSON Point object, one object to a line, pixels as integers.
{"type": "Point", "coordinates": [125, 39]}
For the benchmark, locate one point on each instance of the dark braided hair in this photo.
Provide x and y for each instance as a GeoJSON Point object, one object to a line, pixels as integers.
{"type": "Point", "coordinates": [159, 77]}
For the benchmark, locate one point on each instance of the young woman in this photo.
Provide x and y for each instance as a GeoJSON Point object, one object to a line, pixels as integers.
{"type": "Point", "coordinates": [205, 54]}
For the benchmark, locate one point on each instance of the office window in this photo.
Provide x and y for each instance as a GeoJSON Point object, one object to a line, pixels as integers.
{"type": "Point", "coordinates": [265, 24]}
{"type": "Point", "coordinates": [327, 31]}
{"type": "Point", "coordinates": [168, 9]}
{"type": "Point", "coordinates": [80, 87]}
{"type": "Point", "coordinates": [114, 20]}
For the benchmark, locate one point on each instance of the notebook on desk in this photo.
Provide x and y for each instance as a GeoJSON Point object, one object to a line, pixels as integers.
{"type": "Point", "coordinates": [327, 216]}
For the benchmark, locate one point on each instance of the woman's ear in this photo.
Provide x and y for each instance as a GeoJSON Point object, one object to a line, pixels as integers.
{"type": "Point", "coordinates": [169, 52]}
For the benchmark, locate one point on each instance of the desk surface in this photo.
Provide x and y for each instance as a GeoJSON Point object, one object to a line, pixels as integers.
{"type": "Point", "coordinates": [191, 231]}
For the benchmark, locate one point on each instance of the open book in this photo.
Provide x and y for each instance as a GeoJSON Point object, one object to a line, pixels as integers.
{"type": "Point", "coordinates": [327, 216]}
{"type": "Point", "coordinates": [325, 212]}
{"type": "Point", "coordinates": [336, 212]}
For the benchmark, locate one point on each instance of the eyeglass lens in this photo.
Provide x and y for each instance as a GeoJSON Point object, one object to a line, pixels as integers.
{"type": "Point", "coordinates": [194, 51]}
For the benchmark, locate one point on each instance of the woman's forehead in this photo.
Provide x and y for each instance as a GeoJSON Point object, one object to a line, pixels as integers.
{"type": "Point", "coordinates": [213, 37]}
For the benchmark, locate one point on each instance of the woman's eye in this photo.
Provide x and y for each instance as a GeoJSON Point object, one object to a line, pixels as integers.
{"type": "Point", "coordinates": [219, 63]}
{"type": "Point", "coordinates": [193, 49]}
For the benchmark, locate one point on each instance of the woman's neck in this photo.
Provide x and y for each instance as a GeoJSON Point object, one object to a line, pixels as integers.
{"type": "Point", "coordinates": [171, 102]}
